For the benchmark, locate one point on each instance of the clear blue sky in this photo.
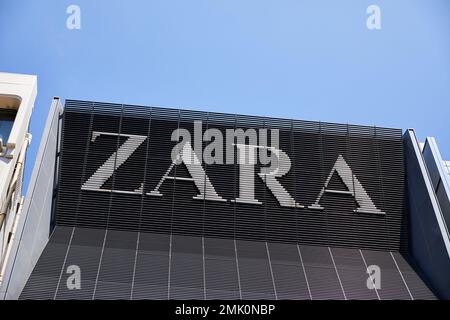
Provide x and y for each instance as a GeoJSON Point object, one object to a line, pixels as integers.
{"type": "Point", "coordinates": [313, 60]}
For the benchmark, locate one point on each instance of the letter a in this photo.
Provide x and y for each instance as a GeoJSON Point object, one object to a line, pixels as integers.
{"type": "Point", "coordinates": [352, 183]}
{"type": "Point", "coordinates": [199, 177]}
{"type": "Point", "coordinates": [374, 20]}
{"type": "Point", "coordinates": [74, 20]}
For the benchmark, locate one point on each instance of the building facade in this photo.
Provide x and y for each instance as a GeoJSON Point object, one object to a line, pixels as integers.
{"type": "Point", "coordinates": [17, 95]}
{"type": "Point", "coordinates": [152, 203]}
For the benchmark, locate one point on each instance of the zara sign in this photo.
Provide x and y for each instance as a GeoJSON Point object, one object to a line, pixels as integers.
{"type": "Point", "coordinates": [248, 155]}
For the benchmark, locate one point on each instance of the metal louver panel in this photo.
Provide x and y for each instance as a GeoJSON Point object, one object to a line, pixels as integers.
{"type": "Point", "coordinates": [113, 157]}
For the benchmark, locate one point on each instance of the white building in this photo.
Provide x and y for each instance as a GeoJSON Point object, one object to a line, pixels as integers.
{"type": "Point", "coordinates": [17, 95]}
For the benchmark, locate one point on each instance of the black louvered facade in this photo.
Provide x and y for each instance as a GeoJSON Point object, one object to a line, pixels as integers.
{"type": "Point", "coordinates": [374, 154]}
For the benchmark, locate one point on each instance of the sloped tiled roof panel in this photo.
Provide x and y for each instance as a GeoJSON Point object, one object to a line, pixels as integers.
{"type": "Point", "coordinates": [130, 265]}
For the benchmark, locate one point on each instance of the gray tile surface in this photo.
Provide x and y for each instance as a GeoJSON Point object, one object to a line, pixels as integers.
{"type": "Point", "coordinates": [129, 265]}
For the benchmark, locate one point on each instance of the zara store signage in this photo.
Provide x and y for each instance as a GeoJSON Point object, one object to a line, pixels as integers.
{"type": "Point", "coordinates": [184, 153]}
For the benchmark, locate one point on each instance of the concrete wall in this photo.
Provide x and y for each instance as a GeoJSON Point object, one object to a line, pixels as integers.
{"type": "Point", "coordinates": [24, 87]}
{"type": "Point", "coordinates": [34, 223]}
{"type": "Point", "coordinates": [439, 176]}
{"type": "Point", "coordinates": [429, 237]}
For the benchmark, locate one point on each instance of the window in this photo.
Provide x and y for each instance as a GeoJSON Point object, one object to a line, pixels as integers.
{"type": "Point", "coordinates": [9, 105]}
